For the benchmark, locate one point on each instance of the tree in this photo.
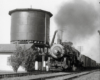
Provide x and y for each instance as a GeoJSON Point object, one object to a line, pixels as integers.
{"type": "Point", "coordinates": [16, 59]}
{"type": "Point", "coordinates": [30, 56]}
{"type": "Point", "coordinates": [24, 58]}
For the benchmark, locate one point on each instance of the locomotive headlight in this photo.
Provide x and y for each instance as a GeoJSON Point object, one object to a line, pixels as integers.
{"type": "Point", "coordinates": [57, 51]}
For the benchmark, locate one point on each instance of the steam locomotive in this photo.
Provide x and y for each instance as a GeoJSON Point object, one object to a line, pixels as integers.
{"type": "Point", "coordinates": [63, 56]}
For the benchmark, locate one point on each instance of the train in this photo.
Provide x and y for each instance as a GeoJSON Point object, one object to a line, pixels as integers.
{"type": "Point", "coordinates": [31, 26]}
{"type": "Point", "coordinates": [66, 58]}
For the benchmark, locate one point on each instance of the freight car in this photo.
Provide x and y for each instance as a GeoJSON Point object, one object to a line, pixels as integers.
{"type": "Point", "coordinates": [87, 63]}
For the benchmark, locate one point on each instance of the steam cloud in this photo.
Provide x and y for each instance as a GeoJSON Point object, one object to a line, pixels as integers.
{"type": "Point", "coordinates": [77, 19]}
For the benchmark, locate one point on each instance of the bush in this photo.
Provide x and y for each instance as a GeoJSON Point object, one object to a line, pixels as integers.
{"type": "Point", "coordinates": [29, 59]}
{"type": "Point", "coordinates": [24, 58]}
{"type": "Point", "coordinates": [16, 59]}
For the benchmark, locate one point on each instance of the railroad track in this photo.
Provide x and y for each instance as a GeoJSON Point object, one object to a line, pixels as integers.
{"type": "Point", "coordinates": [46, 75]}
{"type": "Point", "coordinates": [68, 76]}
{"type": "Point", "coordinates": [22, 74]}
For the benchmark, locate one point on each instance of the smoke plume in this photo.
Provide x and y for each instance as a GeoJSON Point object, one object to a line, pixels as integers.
{"type": "Point", "coordinates": [77, 19]}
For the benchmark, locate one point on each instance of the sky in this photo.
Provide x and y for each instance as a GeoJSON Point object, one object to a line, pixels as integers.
{"type": "Point", "coordinates": [87, 38]}
{"type": "Point", "coordinates": [80, 20]}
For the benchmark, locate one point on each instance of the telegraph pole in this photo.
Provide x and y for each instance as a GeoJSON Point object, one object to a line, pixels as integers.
{"type": "Point", "coordinates": [80, 50]}
{"type": "Point", "coordinates": [99, 40]}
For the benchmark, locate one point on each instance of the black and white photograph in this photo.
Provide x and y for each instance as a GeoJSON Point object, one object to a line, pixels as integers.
{"type": "Point", "coordinates": [49, 39]}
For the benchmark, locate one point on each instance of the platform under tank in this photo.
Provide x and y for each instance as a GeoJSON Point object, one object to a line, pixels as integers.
{"type": "Point", "coordinates": [30, 25]}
